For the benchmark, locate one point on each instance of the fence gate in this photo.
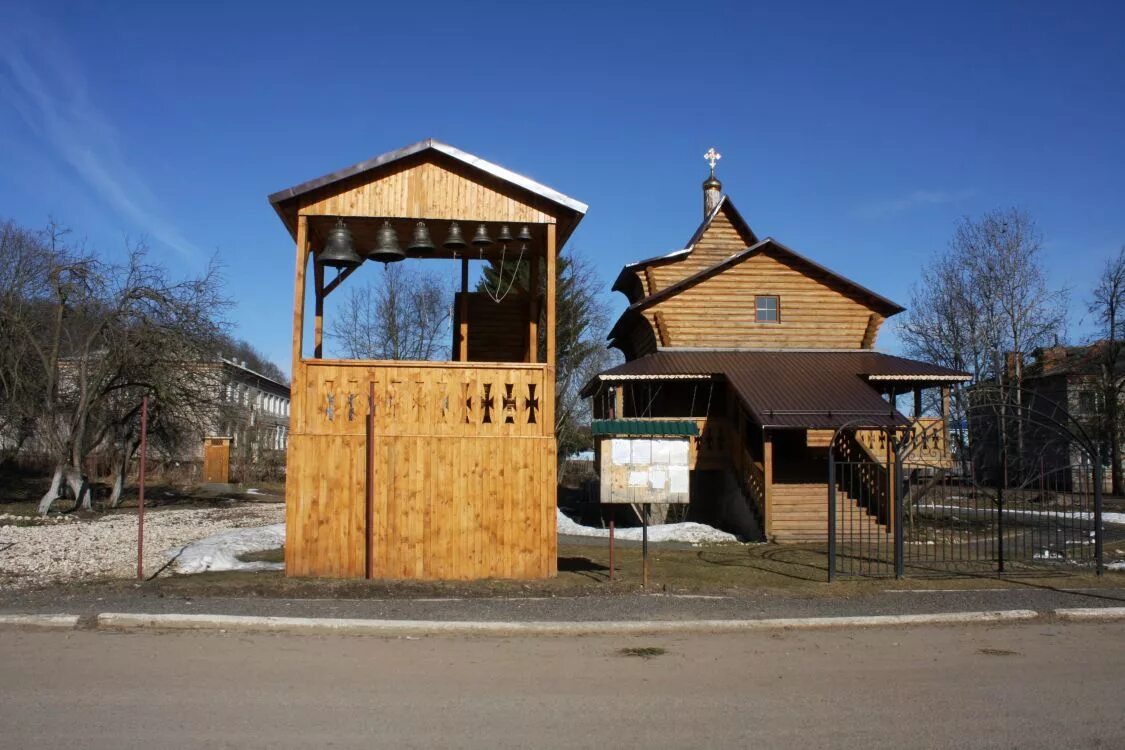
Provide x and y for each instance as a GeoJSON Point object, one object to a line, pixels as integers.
{"type": "Point", "coordinates": [1020, 488]}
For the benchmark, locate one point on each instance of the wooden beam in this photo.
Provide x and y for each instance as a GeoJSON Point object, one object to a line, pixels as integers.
{"type": "Point", "coordinates": [533, 309]}
{"type": "Point", "coordinates": [917, 403]}
{"type": "Point", "coordinates": [318, 296]}
{"type": "Point", "coordinates": [619, 401]}
{"type": "Point", "coordinates": [552, 253]}
{"type": "Point", "coordinates": [331, 285]}
{"type": "Point", "coordinates": [463, 322]}
{"type": "Point", "coordinates": [299, 292]}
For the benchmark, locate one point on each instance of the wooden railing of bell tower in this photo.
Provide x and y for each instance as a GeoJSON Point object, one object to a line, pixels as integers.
{"type": "Point", "coordinates": [426, 398]}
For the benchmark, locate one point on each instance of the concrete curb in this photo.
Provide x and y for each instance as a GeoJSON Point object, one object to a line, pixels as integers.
{"type": "Point", "coordinates": [1091, 613]}
{"type": "Point", "coordinates": [39, 621]}
{"type": "Point", "coordinates": [328, 626]}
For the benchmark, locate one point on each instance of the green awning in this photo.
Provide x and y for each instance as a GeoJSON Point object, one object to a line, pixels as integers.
{"type": "Point", "coordinates": [662, 427]}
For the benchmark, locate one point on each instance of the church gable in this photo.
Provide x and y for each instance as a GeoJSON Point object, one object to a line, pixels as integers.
{"type": "Point", "coordinates": [766, 300]}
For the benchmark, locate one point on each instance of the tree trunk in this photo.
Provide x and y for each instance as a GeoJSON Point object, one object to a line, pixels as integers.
{"type": "Point", "coordinates": [128, 449]}
{"type": "Point", "coordinates": [78, 487]}
{"type": "Point", "coordinates": [52, 492]}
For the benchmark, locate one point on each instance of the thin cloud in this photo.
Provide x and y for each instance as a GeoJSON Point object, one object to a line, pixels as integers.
{"type": "Point", "coordinates": [911, 201]}
{"type": "Point", "coordinates": [44, 86]}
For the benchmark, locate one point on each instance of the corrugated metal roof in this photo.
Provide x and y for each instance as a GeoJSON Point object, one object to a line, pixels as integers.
{"type": "Point", "coordinates": [819, 389]}
{"type": "Point", "coordinates": [645, 427]}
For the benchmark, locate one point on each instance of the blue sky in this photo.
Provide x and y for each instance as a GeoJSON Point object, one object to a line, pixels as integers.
{"type": "Point", "coordinates": [854, 133]}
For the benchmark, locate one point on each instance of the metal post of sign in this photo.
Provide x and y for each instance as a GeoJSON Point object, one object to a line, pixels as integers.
{"type": "Point", "coordinates": [644, 547]}
{"type": "Point", "coordinates": [611, 530]}
{"type": "Point", "coordinates": [141, 492]}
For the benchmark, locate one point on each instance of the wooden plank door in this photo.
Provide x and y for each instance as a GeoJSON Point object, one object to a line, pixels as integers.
{"type": "Point", "coordinates": [216, 460]}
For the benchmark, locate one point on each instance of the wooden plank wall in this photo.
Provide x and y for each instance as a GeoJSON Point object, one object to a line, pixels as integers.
{"type": "Point", "coordinates": [719, 312]}
{"type": "Point", "coordinates": [433, 189]}
{"type": "Point", "coordinates": [719, 241]}
{"type": "Point", "coordinates": [464, 462]}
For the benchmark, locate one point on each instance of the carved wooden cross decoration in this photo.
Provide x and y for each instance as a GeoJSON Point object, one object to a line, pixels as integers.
{"type": "Point", "coordinates": [532, 403]}
{"type": "Point", "coordinates": [712, 156]}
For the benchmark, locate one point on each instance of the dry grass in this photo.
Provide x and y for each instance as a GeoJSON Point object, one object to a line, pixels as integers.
{"type": "Point", "coordinates": [583, 570]}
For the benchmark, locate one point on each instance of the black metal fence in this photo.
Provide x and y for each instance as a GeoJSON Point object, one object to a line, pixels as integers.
{"type": "Point", "coordinates": [1022, 490]}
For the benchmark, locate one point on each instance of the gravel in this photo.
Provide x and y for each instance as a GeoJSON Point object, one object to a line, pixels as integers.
{"type": "Point", "coordinates": [63, 552]}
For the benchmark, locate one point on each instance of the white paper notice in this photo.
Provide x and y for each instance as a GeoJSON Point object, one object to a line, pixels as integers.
{"type": "Point", "coordinates": [679, 453]}
{"type": "Point", "coordinates": [662, 452]}
{"type": "Point", "coordinates": [642, 452]}
{"type": "Point", "coordinates": [621, 452]}
{"type": "Point", "coordinates": [638, 478]}
{"type": "Point", "coordinates": [678, 479]}
{"type": "Point", "coordinates": [657, 478]}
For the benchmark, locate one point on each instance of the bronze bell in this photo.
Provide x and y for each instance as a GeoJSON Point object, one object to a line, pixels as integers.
{"type": "Point", "coordinates": [524, 235]}
{"type": "Point", "coordinates": [481, 238]}
{"type": "Point", "coordinates": [420, 241]}
{"type": "Point", "coordinates": [454, 240]}
{"type": "Point", "coordinates": [339, 248]}
{"type": "Point", "coordinates": [505, 235]}
{"type": "Point", "coordinates": [386, 248]}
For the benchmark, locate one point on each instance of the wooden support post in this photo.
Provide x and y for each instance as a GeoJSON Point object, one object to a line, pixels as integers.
{"type": "Point", "coordinates": [619, 401]}
{"type": "Point", "coordinates": [767, 464]}
{"type": "Point", "coordinates": [299, 293]}
{"type": "Point", "coordinates": [533, 309]}
{"type": "Point", "coordinates": [945, 416]}
{"type": "Point", "coordinates": [552, 252]}
{"type": "Point", "coordinates": [463, 315]}
{"type": "Point", "coordinates": [917, 403]}
{"type": "Point", "coordinates": [318, 326]}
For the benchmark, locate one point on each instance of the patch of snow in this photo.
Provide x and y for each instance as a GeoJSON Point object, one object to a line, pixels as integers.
{"type": "Point", "coordinates": [1114, 518]}
{"type": "Point", "coordinates": [221, 551]}
{"type": "Point", "coordinates": [1119, 565]}
{"type": "Point", "coordinates": [254, 491]}
{"type": "Point", "coordinates": [689, 533]}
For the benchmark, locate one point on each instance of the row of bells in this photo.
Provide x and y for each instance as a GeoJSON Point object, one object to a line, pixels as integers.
{"type": "Point", "coordinates": [339, 249]}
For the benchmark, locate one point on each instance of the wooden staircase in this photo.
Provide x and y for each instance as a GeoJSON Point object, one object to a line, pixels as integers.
{"type": "Point", "coordinates": [800, 514]}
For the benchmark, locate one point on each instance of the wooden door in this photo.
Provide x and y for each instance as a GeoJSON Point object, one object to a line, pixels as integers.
{"type": "Point", "coordinates": [216, 460]}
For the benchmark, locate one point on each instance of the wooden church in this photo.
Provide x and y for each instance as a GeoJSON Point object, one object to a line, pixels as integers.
{"type": "Point", "coordinates": [422, 469]}
{"type": "Point", "coordinates": [768, 353]}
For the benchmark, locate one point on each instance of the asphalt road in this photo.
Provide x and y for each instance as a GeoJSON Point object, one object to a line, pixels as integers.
{"type": "Point", "coordinates": [1015, 686]}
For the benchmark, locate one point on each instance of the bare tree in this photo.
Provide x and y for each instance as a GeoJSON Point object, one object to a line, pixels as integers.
{"type": "Point", "coordinates": [401, 314]}
{"type": "Point", "coordinates": [101, 335]}
{"type": "Point", "coordinates": [1107, 304]}
{"type": "Point", "coordinates": [984, 297]}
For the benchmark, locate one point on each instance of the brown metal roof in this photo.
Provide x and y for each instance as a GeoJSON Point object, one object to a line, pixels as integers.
{"type": "Point", "coordinates": [809, 389]}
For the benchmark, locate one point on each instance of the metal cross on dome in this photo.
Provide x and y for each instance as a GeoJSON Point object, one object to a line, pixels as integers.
{"type": "Point", "coordinates": [712, 156]}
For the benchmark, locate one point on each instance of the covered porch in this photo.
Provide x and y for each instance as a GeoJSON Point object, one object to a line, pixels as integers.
{"type": "Point", "coordinates": [769, 419]}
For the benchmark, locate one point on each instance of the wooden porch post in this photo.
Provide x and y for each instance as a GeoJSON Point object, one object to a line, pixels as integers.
{"type": "Point", "coordinates": [619, 401]}
{"type": "Point", "coordinates": [767, 464]}
{"type": "Point", "coordinates": [917, 403]}
{"type": "Point", "coordinates": [533, 310]}
{"type": "Point", "coordinates": [945, 413]}
{"type": "Point", "coordinates": [463, 324]}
